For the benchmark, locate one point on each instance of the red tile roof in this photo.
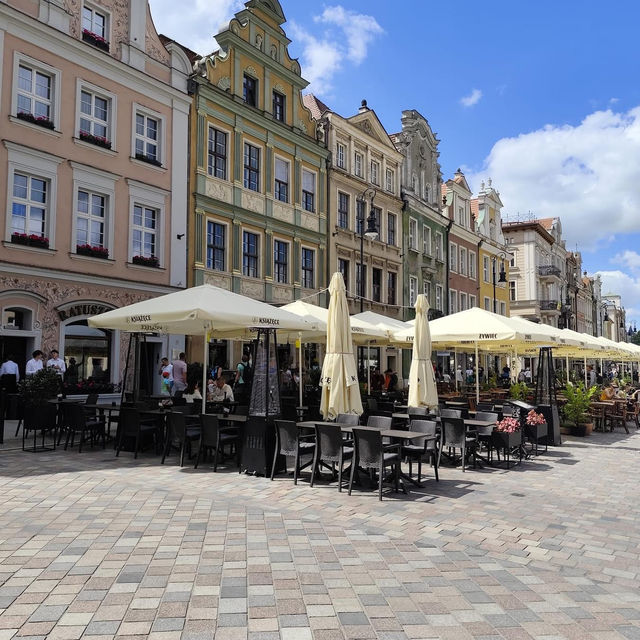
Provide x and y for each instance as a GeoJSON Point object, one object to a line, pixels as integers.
{"type": "Point", "coordinates": [547, 223]}
{"type": "Point", "coordinates": [316, 106]}
{"type": "Point", "coordinates": [474, 207]}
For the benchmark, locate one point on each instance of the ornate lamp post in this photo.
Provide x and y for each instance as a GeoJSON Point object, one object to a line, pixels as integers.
{"type": "Point", "coordinates": [503, 275]}
{"type": "Point", "coordinates": [371, 233]}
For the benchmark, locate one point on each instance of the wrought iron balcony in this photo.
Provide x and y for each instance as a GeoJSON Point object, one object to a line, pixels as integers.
{"type": "Point", "coordinates": [550, 305]}
{"type": "Point", "coordinates": [549, 270]}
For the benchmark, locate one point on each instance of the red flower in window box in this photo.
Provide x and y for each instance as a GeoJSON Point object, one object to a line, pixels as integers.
{"type": "Point", "coordinates": [31, 240]}
{"type": "Point", "coordinates": [91, 250]}
{"type": "Point", "coordinates": [99, 141]}
{"type": "Point", "coordinates": [95, 39]}
{"type": "Point", "coordinates": [146, 261]}
{"type": "Point", "coordinates": [41, 121]}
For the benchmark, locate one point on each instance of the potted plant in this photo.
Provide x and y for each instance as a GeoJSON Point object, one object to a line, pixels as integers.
{"type": "Point", "coordinates": [91, 250]}
{"type": "Point", "coordinates": [99, 141]}
{"type": "Point", "coordinates": [518, 391]}
{"type": "Point", "coordinates": [576, 409]}
{"type": "Point", "coordinates": [146, 261]}
{"type": "Point", "coordinates": [535, 426]}
{"type": "Point", "coordinates": [34, 393]}
{"type": "Point", "coordinates": [95, 39]}
{"type": "Point", "coordinates": [507, 434]}
{"type": "Point", "coordinates": [41, 121]}
{"type": "Point", "coordinates": [143, 157]}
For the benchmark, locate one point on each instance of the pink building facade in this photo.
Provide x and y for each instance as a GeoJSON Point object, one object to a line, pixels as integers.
{"type": "Point", "coordinates": [93, 166]}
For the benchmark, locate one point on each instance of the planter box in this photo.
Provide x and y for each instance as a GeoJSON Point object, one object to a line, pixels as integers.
{"type": "Point", "coordinates": [92, 252]}
{"type": "Point", "coordinates": [95, 40]}
{"type": "Point", "coordinates": [503, 440]}
{"type": "Point", "coordinates": [97, 140]}
{"type": "Point", "coordinates": [143, 158]}
{"type": "Point", "coordinates": [535, 432]}
{"type": "Point", "coordinates": [40, 121]}
{"type": "Point", "coordinates": [146, 262]}
{"type": "Point", "coordinates": [30, 241]}
{"type": "Point", "coordinates": [582, 430]}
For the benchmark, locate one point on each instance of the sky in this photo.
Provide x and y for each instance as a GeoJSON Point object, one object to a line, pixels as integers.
{"type": "Point", "coordinates": [541, 96]}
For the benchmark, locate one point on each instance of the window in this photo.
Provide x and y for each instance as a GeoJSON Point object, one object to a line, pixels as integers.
{"type": "Point", "coordinates": [343, 268]}
{"type": "Point", "coordinates": [376, 285]}
{"type": "Point", "coordinates": [439, 247]}
{"type": "Point", "coordinates": [375, 172]}
{"type": "Point", "coordinates": [216, 245]}
{"type": "Point", "coordinates": [460, 218]}
{"type": "Point", "coordinates": [426, 240]}
{"type": "Point", "coordinates": [485, 268]}
{"type": "Point", "coordinates": [392, 279]}
{"type": "Point", "coordinates": [35, 93]}
{"type": "Point", "coordinates": [147, 138]}
{"type": "Point", "coordinates": [250, 254]}
{"type": "Point", "coordinates": [453, 257]}
{"type": "Point", "coordinates": [343, 210]}
{"type": "Point", "coordinates": [357, 164]}
{"type": "Point", "coordinates": [503, 308]}
{"type": "Point", "coordinates": [390, 182]}
{"type": "Point", "coordinates": [426, 289]}
{"type": "Point", "coordinates": [29, 205]}
{"type": "Point", "coordinates": [280, 261]}
{"type": "Point", "coordinates": [251, 167]}
{"type": "Point", "coordinates": [512, 290]}
{"type": "Point", "coordinates": [145, 231]}
{"type": "Point", "coordinates": [512, 261]}
{"type": "Point", "coordinates": [308, 190]}
{"type": "Point", "coordinates": [413, 290]}
{"type": "Point", "coordinates": [391, 229]}
{"type": "Point", "coordinates": [217, 155]}
{"type": "Point", "coordinates": [361, 280]}
{"type": "Point", "coordinates": [250, 90]}
{"type": "Point", "coordinates": [463, 261]}
{"type": "Point", "coordinates": [90, 218]}
{"type": "Point", "coordinates": [413, 233]}
{"type": "Point", "coordinates": [95, 115]}
{"type": "Point", "coordinates": [472, 301]}
{"type": "Point", "coordinates": [340, 155]}
{"type": "Point", "coordinates": [377, 214]}
{"type": "Point", "coordinates": [359, 216]}
{"type": "Point", "coordinates": [463, 301]}
{"type": "Point", "coordinates": [453, 301]}
{"type": "Point", "coordinates": [94, 22]}
{"type": "Point", "coordinates": [281, 189]}
{"type": "Point", "coordinates": [472, 265]}
{"type": "Point", "coordinates": [308, 259]}
{"type": "Point", "coordinates": [279, 106]}
{"type": "Point", "coordinates": [439, 297]}
{"type": "Point", "coordinates": [487, 304]}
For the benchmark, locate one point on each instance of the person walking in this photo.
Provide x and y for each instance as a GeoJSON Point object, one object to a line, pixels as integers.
{"type": "Point", "coordinates": [35, 364]}
{"type": "Point", "coordinates": [9, 374]}
{"type": "Point", "coordinates": [166, 374]}
{"type": "Point", "coordinates": [179, 373]}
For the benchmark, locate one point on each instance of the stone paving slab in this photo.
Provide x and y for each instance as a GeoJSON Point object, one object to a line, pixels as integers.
{"type": "Point", "coordinates": [101, 547]}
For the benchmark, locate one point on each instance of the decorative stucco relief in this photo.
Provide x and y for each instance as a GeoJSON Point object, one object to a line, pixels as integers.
{"type": "Point", "coordinates": [309, 221]}
{"type": "Point", "coordinates": [282, 212]}
{"type": "Point", "coordinates": [252, 289]}
{"type": "Point", "coordinates": [219, 190]}
{"type": "Point", "coordinates": [218, 280]}
{"type": "Point", "coordinates": [252, 203]}
{"type": "Point", "coordinates": [154, 47]}
{"type": "Point", "coordinates": [282, 294]}
{"type": "Point", "coordinates": [224, 83]}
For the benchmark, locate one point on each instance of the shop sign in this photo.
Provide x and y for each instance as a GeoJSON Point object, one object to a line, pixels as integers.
{"type": "Point", "coordinates": [83, 309]}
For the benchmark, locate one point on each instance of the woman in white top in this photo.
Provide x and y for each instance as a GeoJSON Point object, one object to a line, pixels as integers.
{"type": "Point", "coordinates": [191, 393]}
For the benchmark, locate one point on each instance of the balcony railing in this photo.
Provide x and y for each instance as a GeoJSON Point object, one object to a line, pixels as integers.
{"type": "Point", "coordinates": [549, 270]}
{"type": "Point", "coordinates": [550, 305]}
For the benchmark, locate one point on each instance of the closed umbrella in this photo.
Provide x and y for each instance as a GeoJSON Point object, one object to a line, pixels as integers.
{"type": "Point", "coordinates": [422, 383]}
{"type": "Point", "coordinates": [339, 381]}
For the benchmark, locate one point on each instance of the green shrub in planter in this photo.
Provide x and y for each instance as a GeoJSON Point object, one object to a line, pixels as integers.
{"type": "Point", "coordinates": [576, 410]}
{"type": "Point", "coordinates": [34, 392]}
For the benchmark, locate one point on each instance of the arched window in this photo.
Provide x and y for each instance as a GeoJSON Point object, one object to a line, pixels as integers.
{"type": "Point", "coordinates": [87, 353]}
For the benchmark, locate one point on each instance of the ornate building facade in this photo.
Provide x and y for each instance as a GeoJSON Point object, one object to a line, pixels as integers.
{"type": "Point", "coordinates": [93, 160]}
{"type": "Point", "coordinates": [258, 221]}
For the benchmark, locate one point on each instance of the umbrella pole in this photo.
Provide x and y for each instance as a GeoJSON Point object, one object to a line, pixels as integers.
{"type": "Point", "coordinates": [585, 372]}
{"type": "Point", "coordinates": [455, 366]}
{"type": "Point", "coordinates": [205, 366]}
{"type": "Point", "coordinates": [369, 367]}
{"type": "Point", "coordinates": [566, 367]}
{"type": "Point", "coordinates": [477, 377]}
{"type": "Point", "coordinates": [300, 369]}
{"type": "Point", "coordinates": [602, 370]}
{"type": "Point", "coordinates": [516, 364]}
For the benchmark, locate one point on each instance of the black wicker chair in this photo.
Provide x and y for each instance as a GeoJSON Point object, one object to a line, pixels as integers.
{"type": "Point", "coordinates": [420, 448]}
{"type": "Point", "coordinates": [289, 442]}
{"type": "Point", "coordinates": [212, 438]}
{"type": "Point", "coordinates": [371, 453]}
{"type": "Point", "coordinates": [331, 449]}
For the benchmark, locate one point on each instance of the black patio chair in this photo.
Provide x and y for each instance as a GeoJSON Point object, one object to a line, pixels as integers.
{"type": "Point", "coordinates": [484, 406]}
{"type": "Point", "coordinates": [349, 419]}
{"type": "Point", "coordinates": [419, 448]}
{"type": "Point", "coordinates": [179, 432]}
{"type": "Point", "coordinates": [454, 436]}
{"type": "Point", "coordinates": [371, 453]}
{"type": "Point", "coordinates": [417, 412]}
{"type": "Point", "coordinates": [212, 438]}
{"type": "Point", "coordinates": [331, 450]}
{"type": "Point", "coordinates": [131, 426]}
{"type": "Point", "coordinates": [289, 442]}
{"type": "Point", "coordinates": [77, 421]}
{"type": "Point", "coordinates": [379, 422]}
{"type": "Point", "coordinates": [450, 413]}
{"type": "Point", "coordinates": [484, 433]}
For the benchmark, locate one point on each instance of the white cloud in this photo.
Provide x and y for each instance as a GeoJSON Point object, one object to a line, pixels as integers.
{"type": "Point", "coordinates": [194, 24]}
{"type": "Point", "coordinates": [472, 98]}
{"type": "Point", "coordinates": [625, 285]}
{"type": "Point", "coordinates": [587, 174]}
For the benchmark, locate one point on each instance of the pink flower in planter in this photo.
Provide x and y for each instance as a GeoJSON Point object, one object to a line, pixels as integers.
{"type": "Point", "coordinates": [534, 418]}
{"type": "Point", "coordinates": [508, 425]}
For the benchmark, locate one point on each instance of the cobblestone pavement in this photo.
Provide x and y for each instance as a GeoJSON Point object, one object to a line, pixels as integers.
{"type": "Point", "coordinates": [103, 547]}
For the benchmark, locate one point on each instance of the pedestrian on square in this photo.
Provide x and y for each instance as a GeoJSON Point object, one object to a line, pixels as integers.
{"type": "Point", "coordinates": [179, 373]}
{"type": "Point", "coordinates": [35, 364]}
{"type": "Point", "coordinates": [166, 375]}
{"type": "Point", "coordinates": [56, 363]}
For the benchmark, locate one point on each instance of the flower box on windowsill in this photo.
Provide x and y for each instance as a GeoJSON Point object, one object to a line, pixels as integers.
{"type": "Point", "coordinates": [41, 121]}
{"type": "Point", "coordinates": [144, 158]}
{"type": "Point", "coordinates": [95, 40]}
{"type": "Point", "coordinates": [32, 240]}
{"type": "Point", "coordinates": [99, 141]}
{"type": "Point", "coordinates": [146, 262]}
{"type": "Point", "coordinates": [94, 252]}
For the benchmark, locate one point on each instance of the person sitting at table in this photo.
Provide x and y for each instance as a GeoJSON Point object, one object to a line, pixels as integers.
{"type": "Point", "coordinates": [608, 393]}
{"type": "Point", "coordinates": [191, 393]}
{"type": "Point", "coordinates": [222, 391]}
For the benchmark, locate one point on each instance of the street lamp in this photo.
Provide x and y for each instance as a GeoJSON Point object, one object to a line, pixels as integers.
{"type": "Point", "coordinates": [502, 278]}
{"type": "Point", "coordinates": [371, 233]}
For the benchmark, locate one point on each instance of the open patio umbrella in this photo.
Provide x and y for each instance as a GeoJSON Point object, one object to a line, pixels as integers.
{"type": "Point", "coordinates": [422, 383]}
{"type": "Point", "coordinates": [339, 379]}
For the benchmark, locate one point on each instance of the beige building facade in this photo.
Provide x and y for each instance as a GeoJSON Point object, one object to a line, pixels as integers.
{"type": "Point", "coordinates": [93, 162]}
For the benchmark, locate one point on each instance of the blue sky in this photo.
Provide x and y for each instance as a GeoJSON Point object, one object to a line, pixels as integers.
{"type": "Point", "coordinates": [543, 97]}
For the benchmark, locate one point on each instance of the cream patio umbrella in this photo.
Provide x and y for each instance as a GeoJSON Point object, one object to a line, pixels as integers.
{"type": "Point", "coordinates": [422, 383]}
{"type": "Point", "coordinates": [339, 379]}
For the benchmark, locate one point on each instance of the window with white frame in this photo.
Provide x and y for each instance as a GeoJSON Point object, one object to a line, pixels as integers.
{"type": "Point", "coordinates": [217, 153]}
{"type": "Point", "coordinates": [147, 220]}
{"type": "Point", "coordinates": [357, 164]}
{"type": "Point", "coordinates": [463, 301]}
{"type": "Point", "coordinates": [439, 247]}
{"type": "Point", "coordinates": [343, 210]}
{"type": "Point", "coordinates": [512, 290]}
{"type": "Point", "coordinates": [343, 268]}
{"type": "Point", "coordinates": [472, 265]}
{"type": "Point", "coordinates": [308, 268]}
{"type": "Point", "coordinates": [281, 180]}
{"type": "Point", "coordinates": [340, 155]}
{"type": "Point", "coordinates": [503, 308]}
{"type": "Point", "coordinates": [95, 22]}
{"type": "Point", "coordinates": [216, 245]}
{"type": "Point", "coordinates": [392, 279]}
{"type": "Point", "coordinates": [91, 213]}
{"type": "Point", "coordinates": [308, 190]}
{"type": "Point", "coordinates": [413, 290]}
{"type": "Point", "coordinates": [453, 301]}
{"type": "Point", "coordinates": [426, 240]}
{"type": "Point", "coordinates": [485, 268]}
{"type": "Point", "coordinates": [426, 289]}
{"type": "Point", "coordinates": [377, 214]}
{"type": "Point", "coordinates": [145, 231]}
{"type": "Point", "coordinates": [95, 119]}
{"type": "Point", "coordinates": [390, 180]}
{"type": "Point", "coordinates": [250, 247]}
{"type": "Point", "coordinates": [148, 137]}
{"type": "Point", "coordinates": [35, 88]}
{"type": "Point", "coordinates": [391, 228]}
{"type": "Point", "coordinates": [472, 301]}
{"type": "Point", "coordinates": [251, 167]}
{"type": "Point", "coordinates": [413, 233]}
{"type": "Point", "coordinates": [281, 261]}
{"type": "Point", "coordinates": [463, 261]}
{"type": "Point", "coordinates": [439, 292]}
{"type": "Point", "coordinates": [487, 304]}
{"type": "Point", "coordinates": [29, 205]}
{"type": "Point", "coordinates": [376, 284]}
{"type": "Point", "coordinates": [512, 260]}
{"type": "Point", "coordinates": [375, 172]}
{"type": "Point", "coordinates": [453, 257]}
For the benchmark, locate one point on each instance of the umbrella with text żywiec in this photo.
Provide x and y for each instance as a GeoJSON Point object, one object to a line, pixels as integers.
{"type": "Point", "coordinates": [422, 383]}
{"type": "Point", "coordinates": [339, 380]}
